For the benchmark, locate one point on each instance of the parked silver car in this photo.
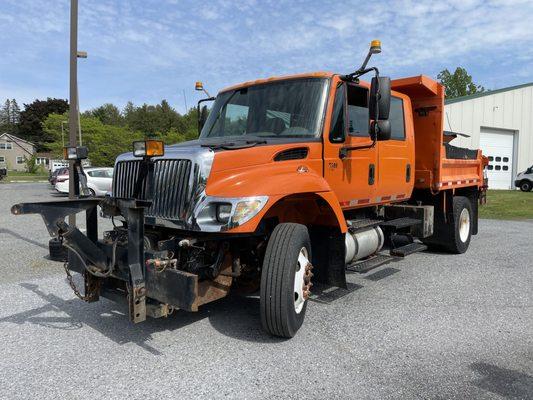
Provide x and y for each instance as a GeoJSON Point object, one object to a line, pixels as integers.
{"type": "Point", "coordinates": [98, 181]}
{"type": "Point", "coordinates": [524, 180]}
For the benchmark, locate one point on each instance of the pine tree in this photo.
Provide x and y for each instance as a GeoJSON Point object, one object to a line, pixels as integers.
{"type": "Point", "coordinates": [6, 114]}
{"type": "Point", "coordinates": [14, 113]}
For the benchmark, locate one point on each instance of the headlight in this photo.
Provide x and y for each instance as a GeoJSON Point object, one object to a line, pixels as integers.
{"type": "Point", "coordinates": [224, 212]}
{"type": "Point", "coordinates": [216, 214]}
{"type": "Point", "coordinates": [246, 210]}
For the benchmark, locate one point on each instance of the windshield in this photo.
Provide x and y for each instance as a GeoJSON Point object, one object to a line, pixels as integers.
{"type": "Point", "coordinates": [284, 109]}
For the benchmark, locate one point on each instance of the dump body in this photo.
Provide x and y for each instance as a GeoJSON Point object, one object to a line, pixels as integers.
{"type": "Point", "coordinates": [438, 164]}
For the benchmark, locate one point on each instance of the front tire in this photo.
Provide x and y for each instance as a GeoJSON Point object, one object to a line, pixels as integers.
{"type": "Point", "coordinates": [285, 280]}
{"type": "Point", "coordinates": [525, 186]}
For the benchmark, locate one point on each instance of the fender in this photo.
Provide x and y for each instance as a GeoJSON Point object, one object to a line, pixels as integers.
{"type": "Point", "coordinates": [283, 180]}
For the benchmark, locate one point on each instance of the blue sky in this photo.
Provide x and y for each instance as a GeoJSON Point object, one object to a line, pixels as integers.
{"type": "Point", "coordinates": [148, 50]}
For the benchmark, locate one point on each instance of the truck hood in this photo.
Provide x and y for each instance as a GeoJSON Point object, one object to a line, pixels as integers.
{"type": "Point", "coordinates": [237, 158]}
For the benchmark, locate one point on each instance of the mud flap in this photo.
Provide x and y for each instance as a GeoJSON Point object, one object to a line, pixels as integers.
{"type": "Point", "coordinates": [328, 256]}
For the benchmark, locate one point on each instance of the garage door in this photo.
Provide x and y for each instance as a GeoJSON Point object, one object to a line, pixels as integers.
{"type": "Point", "coordinates": [497, 145]}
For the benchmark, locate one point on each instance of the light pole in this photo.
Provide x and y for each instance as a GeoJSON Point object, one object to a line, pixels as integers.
{"type": "Point", "coordinates": [73, 112]}
{"type": "Point", "coordinates": [73, 120]}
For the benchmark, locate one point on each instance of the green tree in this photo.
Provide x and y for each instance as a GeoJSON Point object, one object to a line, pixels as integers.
{"type": "Point", "coordinates": [9, 116]}
{"type": "Point", "coordinates": [459, 83]}
{"type": "Point", "coordinates": [31, 119]}
{"type": "Point", "coordinates": [104, 142]}
{"type": "Point", "coordinates": [108, 114]}
{"type": "Point", "coordinates": [14, 112]}
{"type": "Point", "coordinates": [5, 116]}
{"type": "Point", "coordinates": [31, 164]}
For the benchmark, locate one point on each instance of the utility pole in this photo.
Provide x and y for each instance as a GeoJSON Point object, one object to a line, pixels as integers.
{"type": "Point", "coordinates": [73, 188]}
{"type": "Point", "coordinates": [185, 100]}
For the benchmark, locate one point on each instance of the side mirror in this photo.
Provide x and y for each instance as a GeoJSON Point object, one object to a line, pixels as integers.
{"type": "Point", "coordinates": [381, 130]}
{"type": "Point", "coordinates": [202, 113]}
{"type": "Point", "coordinates": [202, 118]}
{"type": "Point", "coordinates": [379, 101]}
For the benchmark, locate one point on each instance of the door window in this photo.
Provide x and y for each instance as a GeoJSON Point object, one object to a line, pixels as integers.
{"type": "Point", "coordinates": [336, 132]}
{"type": "Point", "coordinates": [358, 122]}
{"type": "Point", "coordinates": [98, 173]}
{"type": "Point", "coordinates": [396, 118]}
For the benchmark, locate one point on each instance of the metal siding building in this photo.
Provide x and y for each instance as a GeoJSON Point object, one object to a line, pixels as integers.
{"type": "Point", "coordinates": [500, 122]}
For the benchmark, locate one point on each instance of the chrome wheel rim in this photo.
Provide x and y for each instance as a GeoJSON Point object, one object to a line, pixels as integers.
{"type": "Point", "coordinates": [302, 280]}
{"type": "Point", "coordinates": [464, 225]}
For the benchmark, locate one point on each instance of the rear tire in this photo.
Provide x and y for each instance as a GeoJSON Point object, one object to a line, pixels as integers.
{"type": "Point", "coordinates": [525, 186]}
{"type": "Point", "coordinates": [453, 236]}
{"type": "Point", "coordinates": [286, 270]}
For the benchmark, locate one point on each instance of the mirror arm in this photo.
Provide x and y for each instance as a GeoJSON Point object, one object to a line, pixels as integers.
{"type": "Point", "coordinates": [354, 76]}
{"type": "Point", "coordinates": [343, 151]}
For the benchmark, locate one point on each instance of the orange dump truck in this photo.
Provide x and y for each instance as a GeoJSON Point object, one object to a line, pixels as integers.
{"type": "Point", "coordinates": [293, 180]}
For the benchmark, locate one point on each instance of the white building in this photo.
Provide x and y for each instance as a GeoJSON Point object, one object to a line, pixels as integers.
{"type": "Point", "coordinates": [500, 122]}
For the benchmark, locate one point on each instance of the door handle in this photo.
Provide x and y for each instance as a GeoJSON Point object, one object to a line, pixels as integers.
{"type": "Point", "coordinates": [371, 173]}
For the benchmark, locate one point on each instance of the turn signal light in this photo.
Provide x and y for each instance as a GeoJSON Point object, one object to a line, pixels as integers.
{"type": "Point", "coordinates": [75, 153]}
{"type": "Point", "coordinates": [148, 148]}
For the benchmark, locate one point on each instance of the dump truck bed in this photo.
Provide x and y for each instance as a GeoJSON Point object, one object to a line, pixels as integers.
{"type": "Point", "coordinates": [438, 164]}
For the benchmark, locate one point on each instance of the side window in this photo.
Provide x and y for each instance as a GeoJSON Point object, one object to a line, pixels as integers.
{"type": "Point", "coordinates": [396, 118]}
{"type": "Point", "coordinates": [358, 121]}
{"type": "Point", "coordinates": [336, 132]}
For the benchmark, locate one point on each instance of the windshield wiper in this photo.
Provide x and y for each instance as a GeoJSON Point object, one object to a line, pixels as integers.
{"type": "Point", "coordinates": [233, 145]}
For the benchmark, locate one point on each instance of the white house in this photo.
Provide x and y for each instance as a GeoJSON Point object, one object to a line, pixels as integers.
{"type": "Point", "coordinates": [500, 122]}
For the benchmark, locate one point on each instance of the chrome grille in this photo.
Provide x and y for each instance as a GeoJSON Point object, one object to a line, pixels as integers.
{"type": "Point", "coordinates": [171, 186]}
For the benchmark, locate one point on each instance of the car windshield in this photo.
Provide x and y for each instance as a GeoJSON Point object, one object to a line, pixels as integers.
{"type": "Point", "coordinates": [291, 108]}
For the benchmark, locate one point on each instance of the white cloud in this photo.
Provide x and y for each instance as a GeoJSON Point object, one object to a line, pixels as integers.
{"type": "Point", "coordinates": [146, 50]}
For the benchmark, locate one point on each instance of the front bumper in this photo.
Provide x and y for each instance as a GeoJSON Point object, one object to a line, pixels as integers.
{"type": "Point", "coordinates": [110, 269]}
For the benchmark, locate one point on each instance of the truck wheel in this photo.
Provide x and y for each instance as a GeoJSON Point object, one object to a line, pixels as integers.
{"type": "Point", "coordinates": [286, 280]}
{"type": "Point", "coordinates": [525, 186]}
{"type": "Point", "coordinates": [460, 231]}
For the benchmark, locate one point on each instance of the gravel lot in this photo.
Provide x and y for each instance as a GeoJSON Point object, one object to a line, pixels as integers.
{"type": "Point", "coordinates": [431, 326]}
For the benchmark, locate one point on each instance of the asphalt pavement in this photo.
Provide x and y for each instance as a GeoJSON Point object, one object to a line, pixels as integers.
{"type": "Point", "coordinates": [432, 326]}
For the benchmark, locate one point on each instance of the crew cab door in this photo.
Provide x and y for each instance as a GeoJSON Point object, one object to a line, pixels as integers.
{"type": "Point", "coordinates": [353, 177]}
{"type": "Point", "coordinates": [396, 156]}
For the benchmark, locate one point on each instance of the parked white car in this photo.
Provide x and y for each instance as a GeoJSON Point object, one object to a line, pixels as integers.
{"type": "Point", "coordinates": [98, 181]}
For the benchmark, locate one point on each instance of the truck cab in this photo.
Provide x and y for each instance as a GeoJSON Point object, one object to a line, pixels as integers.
{"type": "Point", "coordinates": [292, 181]}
